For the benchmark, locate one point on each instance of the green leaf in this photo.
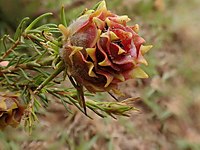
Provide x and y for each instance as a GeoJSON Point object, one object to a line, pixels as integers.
{"type": "Point", "coordinates": [63, 17]}
{"type": "Point", "coordinates": [20, 28]}
{"type": "Point", "coordinates": [37, 20]}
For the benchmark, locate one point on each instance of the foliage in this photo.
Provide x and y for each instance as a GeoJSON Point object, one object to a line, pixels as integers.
{"type": "Point", "coordinates": [169, 112]}
{"type": "Point", "coordinates": [30, 67]}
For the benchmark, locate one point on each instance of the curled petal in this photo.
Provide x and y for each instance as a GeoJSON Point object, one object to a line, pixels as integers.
{"type": "Point", "coordinates": [105, 62]}
{"type": "Point", "coordinates": [102, 49]}
{"type": "Point", "coordinates": [74, 49]}
{"type": "Point", "coordinates": [113, 36]}
{"type": "Point", "coordinates": [90, 71]}
{"type": "Point", "coordinates": [132, 50]}
{"type": "Point", "coordinates": [120, 19]}
{"type": "Point", "coordinates": [123, 60]}
{"type": "Point", "coordinates": [126, 40]}
{"type": "Point", "coordinates": [113, 24]}
{"type": "Point", "coordinates": [89, 66]}
{"type": "Point", "coordinates": [138, 41]}
{"type": "Point", "coordinates": [116, 50]}
{"type": "Point", "coordinates": [135, 28]}
{"type": "Point", "coordinates": [108, 76]}
{"type": "Point", "coordinates": [104, 44]}
{"type": "Point", "coordinates": [103, 56]}
{"type": "Point", "coordinates": [81, 71]}
{"type": "Point", "coordinates": [121, 51]}
{"type": "Point", "coordinates": [123, 35]}
{"type": "Point", "coordinates": [99, 23]}
{"type": "Point", "coordinates": [78, 24]}
{"type": "Point", "coordinates": [65, 52]}
{"type": "Point", "coordinates": [85, 37]}
{"type": "Point", "coordinates": [92, 53]}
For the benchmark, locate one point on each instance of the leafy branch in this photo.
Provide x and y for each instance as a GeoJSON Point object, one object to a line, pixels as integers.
{"type": "Point", "coordinates": [31, 68]}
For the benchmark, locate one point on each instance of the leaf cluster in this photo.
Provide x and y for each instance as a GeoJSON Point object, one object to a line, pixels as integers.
{"type": "Point", "coordinates": [30, 66]}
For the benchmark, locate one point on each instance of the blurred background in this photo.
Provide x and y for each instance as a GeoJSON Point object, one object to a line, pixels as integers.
{"type": "Point", "coordinates": [169, 112]}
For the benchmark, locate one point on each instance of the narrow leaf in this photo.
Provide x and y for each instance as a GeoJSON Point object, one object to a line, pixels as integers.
{"type": "Point", "coordinates": [63, 17]}
{"type": "Point", "coordinates": [20, 28]}
{"type": "Point", "coordinates": [36, 21]}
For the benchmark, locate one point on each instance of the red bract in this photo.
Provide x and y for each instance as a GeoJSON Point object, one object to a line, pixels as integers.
{"type": "Point", "coordinates": [100, 50]}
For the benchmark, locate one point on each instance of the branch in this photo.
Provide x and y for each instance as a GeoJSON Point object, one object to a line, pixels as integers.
{"type": "Point", "coordinates": [29, 65]}
{"type": "Point", "coordinates": [10, 50]}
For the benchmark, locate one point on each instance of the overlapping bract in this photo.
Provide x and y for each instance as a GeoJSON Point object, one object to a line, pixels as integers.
{"type": "Point", "coordinates": [11, 111]}
{"type": "Point", "coordinates": [100, 50]}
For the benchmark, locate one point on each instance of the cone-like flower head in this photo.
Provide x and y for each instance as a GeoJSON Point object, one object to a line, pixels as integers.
{"type": "Point", "coordinates": [11, 111]}
{"type": "Point", "coordinates": [100, 50]}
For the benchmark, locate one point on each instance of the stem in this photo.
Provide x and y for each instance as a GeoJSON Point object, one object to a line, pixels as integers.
{"type": "Point", "coordinates": [13, 69]}
{"type": "Point", "coordinates": [60, 68]}
{"type": "Point", "coordinates": [30, 65]}
{"type": "Point", "coordinates": [10, 50]}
